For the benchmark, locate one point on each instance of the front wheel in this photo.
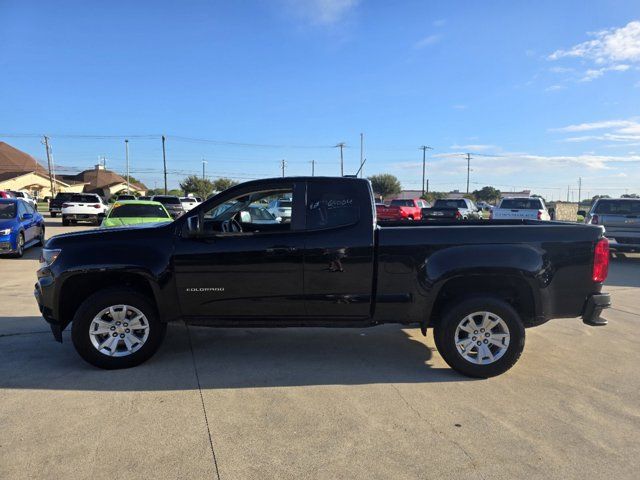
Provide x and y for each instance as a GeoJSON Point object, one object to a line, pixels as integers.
{"type": "Point", "coordinates": [480, 337]}
{"type": "Point", "coordinates": [65, 221]}
{"type": "Point", "coordinates": [20, 246]}
{"type": "Point", "coordinates": [116, 328]}
{"type": "Point", "coordinates": [53, 214]}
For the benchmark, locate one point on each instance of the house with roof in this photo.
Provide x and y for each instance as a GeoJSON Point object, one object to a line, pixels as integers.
{"type": "Point", "coordinates": [104, 182]}
{"type": "Point", "coordinates": [20, 171]}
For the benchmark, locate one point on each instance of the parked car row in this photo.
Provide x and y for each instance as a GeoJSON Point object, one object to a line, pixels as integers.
{"type": "Point", "coordinates": [19, 194]}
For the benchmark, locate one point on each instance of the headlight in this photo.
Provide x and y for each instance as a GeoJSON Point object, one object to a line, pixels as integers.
{"type": "Point", "coordinates": [48, 256]}
{"type": "Point", "coordinates": [6, 231]}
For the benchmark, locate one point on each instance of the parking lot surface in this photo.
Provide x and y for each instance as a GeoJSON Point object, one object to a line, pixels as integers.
{"type": "Point", "coordinates": [319, 403]}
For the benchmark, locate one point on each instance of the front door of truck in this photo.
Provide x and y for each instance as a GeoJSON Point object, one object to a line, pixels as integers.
{"type": "Point", "coordinates": [245, 263]}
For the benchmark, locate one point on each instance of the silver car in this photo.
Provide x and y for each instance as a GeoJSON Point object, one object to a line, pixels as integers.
{"type": "Point", "coordinates": [621, 220]}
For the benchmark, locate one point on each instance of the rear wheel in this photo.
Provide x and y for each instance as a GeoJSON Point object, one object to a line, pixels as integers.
{"type": "Point", "coordinates": [53, 214]}
{"type": "Point", "coordinates": [41, 239]}
{"type": "Point", "coordinates": [65, 221]}
{"type": "Point", "coordinates": [116, 328]}
{"type": "Point", "coordinates": [480, 337]}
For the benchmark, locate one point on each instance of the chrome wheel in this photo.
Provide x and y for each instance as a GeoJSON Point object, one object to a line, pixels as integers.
{"type": "Point", "coordinates": [20, 249]}
{"type": "Point", "coordinates": [482, 338]}
{"type": "Point", "coordinates": [119, 330]}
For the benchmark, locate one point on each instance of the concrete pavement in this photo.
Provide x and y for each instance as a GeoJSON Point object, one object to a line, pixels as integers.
{"type": "Point", "coordinates": [319, 403]}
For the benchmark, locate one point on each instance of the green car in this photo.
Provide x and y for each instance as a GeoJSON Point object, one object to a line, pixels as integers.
{"type": "Point", "coordinates": [134, 212]}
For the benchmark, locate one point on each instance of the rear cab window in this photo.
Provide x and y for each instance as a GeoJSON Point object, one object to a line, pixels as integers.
{"type": "Point", "coordinates": [332, 205]}
{"type": "Point", "coordinates": [617, 207]}
{"type": "Point", "coordinates": [521, 204]}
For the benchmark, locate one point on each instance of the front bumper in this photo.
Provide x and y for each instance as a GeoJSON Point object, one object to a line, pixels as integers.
{"type": "Point", "coordinates": [593, 308]}
{"type": "Point", "coordinates": [8, 244]}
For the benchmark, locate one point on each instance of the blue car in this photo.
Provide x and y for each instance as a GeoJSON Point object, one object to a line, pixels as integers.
{"type": "Point", "coordinates": [20, 226]}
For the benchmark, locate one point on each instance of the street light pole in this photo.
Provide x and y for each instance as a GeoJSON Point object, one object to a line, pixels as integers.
{"type": "Point", "coordinates": [424, 149]}
{"type": "Point", "coordinates": [204, 162]}
{"type": "Point", "coordinates": [126, 154]}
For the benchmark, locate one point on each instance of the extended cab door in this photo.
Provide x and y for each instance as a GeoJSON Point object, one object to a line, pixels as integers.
{"type": "Point", "coordinates": [339, 251]}
{"type": "Point", "coordinates": [236, 268]}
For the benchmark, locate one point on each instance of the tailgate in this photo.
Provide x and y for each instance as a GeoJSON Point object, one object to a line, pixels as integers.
{"type": "Point", "coordinates": [439, 212]}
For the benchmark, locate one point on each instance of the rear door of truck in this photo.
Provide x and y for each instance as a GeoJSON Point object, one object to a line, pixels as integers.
{"type": "Point", "coordinates": [339, 248]}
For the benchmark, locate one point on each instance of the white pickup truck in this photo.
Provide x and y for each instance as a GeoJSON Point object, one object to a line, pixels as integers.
{"type": "Point", "coordinates": [85, 207]}
{"type": "Point", "coordinates": [530, 208]}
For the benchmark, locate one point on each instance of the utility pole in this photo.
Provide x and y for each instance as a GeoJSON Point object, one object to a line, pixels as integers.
{"type": "Point", "coordinates": [424, 149]}
{"type": "Point", "coordinates": [341, 145]}
{"type": "Point", "coordinates": [579, 190]}
{"type": "Point", "coordinates": [361, 153]}
{"type": "Point", "coordinates": [313, 168]}
{"type": "Point", "coordinates": [283, 165]}
{"type": "Point", "coordinates": [164, 161]}
{"type": "Point", "coordinates": [126, 155]}
{"type": "Point", "coordinates": [468, 169]}
{"type": "Point", "coordinates": [568, 186]}
{"type": "Point", "coordinates": [46, 146]}
{"type": "Point", "coordinates": [427, 185]}
{"type": "Point", "coordinates": [204, 162]}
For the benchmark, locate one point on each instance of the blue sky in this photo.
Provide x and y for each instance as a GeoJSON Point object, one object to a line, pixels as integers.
{"type": "Point", "coordinates": [552, 89]}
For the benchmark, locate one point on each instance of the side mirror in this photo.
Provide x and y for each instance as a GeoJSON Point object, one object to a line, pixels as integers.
{"type": "Point", "coordinates": [279, 219]}
{"type": "Point", "coordinates": [27, 216]}
{"type": "Point", "coordinates": [191, 227]}
{"type": "Point", "coordinates": [582, 213]}
{"type": "Point", "coordinates": [245, 217]}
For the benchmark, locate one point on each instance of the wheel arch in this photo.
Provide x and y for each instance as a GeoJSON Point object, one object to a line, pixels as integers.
{"type": "Point", "coordinates": [78, 287]}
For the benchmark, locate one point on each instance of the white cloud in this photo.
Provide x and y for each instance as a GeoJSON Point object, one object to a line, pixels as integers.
{"type": "Point", "coordinates": [619, 131]}
{"type": "Point", "coordinates": [554, 88]}
{"type": "Point", "coordinates": [592, 74]}
{"type": "Point", "coordinates": [428, 41]}
{"type": "Point", "coordinates": [606, 124]}
{"type": "Point", "coordinates": [612, 50]}
{"type": "Point", "coordinates": [459, 107]}
{"type": "Point", "coordinates": [321, 12]}
{"type": "Point", "coordinates": [615, 45]}
{"type": "Point", "coordinates": [473, 147]}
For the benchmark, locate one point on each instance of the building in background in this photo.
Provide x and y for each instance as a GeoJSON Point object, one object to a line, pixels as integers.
{"type": "Point", "coordinates": [20, 171]}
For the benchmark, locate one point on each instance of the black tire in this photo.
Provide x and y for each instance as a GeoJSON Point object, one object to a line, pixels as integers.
{"type": "Point", "coordinates": [53, 215]}
{"type": "Point", "coordinates": [65, 221]}
{"type": "Point", "coordinates": [41, 239]}
{"type": "Point", "coordinates": [20, 250]}
{"type": "Point", "coordinates": [97, 221]}
{"type": "Point", "coordinates": [92, 306]}
{"type": "Point", "coordinates": [445, 336]}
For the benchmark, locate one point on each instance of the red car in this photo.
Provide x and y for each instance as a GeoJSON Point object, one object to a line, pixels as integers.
{"type": "Point", "coordinates": [4, 194]}
{"type": "Point", "coordinates": [401, 209]}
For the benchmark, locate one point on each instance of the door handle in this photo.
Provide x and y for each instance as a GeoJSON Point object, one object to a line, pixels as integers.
{"type": "Point", "coordinates": [278, 250]}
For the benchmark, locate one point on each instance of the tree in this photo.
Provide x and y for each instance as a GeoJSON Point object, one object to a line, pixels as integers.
{"type": "Point", "coordinates": [385, 185]}
{"type": "Point", "coordinates": [222, 183]}
{"type": "Point", "coordinates": [431, 197]}
{"type": "Point", "coordinates": [198, 186]}
{"type": "Point", "coordinates": [596, 197]}
{"type": "Point", "coordinates": [535, 195]}
{"type": "Point", "coordinates": [630, 195]}
{"type": "Point", "coordinates": [487, 194]}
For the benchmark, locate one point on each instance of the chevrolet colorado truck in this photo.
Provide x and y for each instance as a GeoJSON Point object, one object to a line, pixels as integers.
{"type": "Point", "coordinates": [478, 285]}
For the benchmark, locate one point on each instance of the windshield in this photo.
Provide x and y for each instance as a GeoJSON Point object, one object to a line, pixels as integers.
{"type": "Point", "coordinates": [126, 197]}
{"type": "Point", "coordinates": [7, 210]}
{"type": "Point", "coordinates": [450, 204]}
{"type": "Point", "coordinates": [84, 199]}
{"type": "Point", "coordinates": [260, 213]}
{"type": "Point", "coordinates": [138, 211]}
{"type": "Point", "coordinates": [402, 203]}
{"type": "Point", "coordinates": [65, 196]}
{"type": "Point", "coordinates": [618, 207]}
{"type": "Point", "coordinates": [521, 203]}
{"type": "Point", "coordinates": [167, 200]}
{"type": "Point", "coordinates": [228, 209]}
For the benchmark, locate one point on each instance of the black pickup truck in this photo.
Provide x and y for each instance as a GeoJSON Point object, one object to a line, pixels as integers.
{"type": "Point", "coordinates": [477, 284]}
{"type": "Point", "coordinates": [445, 209]}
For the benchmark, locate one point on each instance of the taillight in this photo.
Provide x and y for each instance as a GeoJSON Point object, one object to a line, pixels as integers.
{"type": "Point", "coordinates": [66, 205]}
{"type": "Point", "coordinates": [97, 205]}
{"type": "Point", "coordinates": [458, 215]}
{"type": "Point", "coordinates": [539, 214]}
{"type": "Point", "coordinates": [601, 261]}
{"type": "Point", "coordinates": [595, 220]}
